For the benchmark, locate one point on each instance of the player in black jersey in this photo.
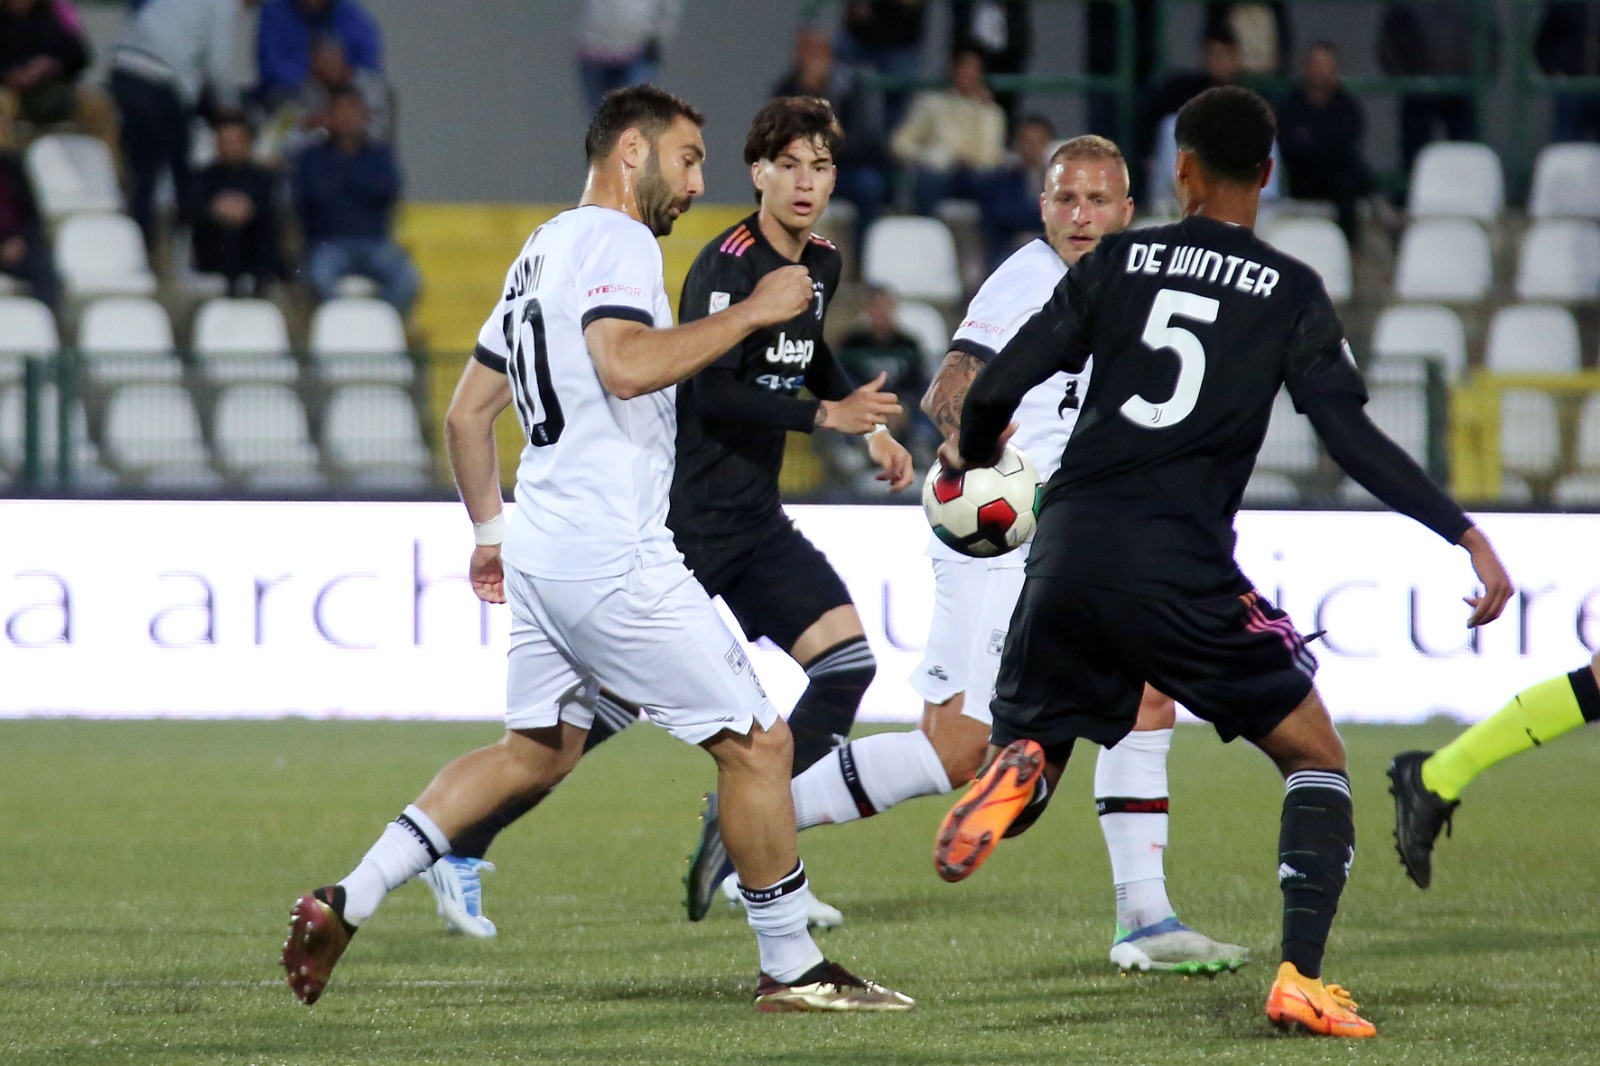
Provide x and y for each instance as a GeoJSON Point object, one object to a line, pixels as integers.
{"type": "Point", "coordinates": [725, 515]}
{"type": "Point", "coordinates": [1194, 328]}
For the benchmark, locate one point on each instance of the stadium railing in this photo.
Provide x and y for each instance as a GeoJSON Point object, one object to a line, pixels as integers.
{"type": "Point", "coordinates": [1480, 439]}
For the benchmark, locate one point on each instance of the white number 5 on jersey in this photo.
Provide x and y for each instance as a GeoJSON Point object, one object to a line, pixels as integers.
{"type": "Point", "coordinates": [1159, 333]}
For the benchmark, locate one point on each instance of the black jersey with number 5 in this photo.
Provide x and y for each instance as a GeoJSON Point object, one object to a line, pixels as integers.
{"type": "Point", "coordinates": [733, 416]}
{"type": "Point", "coordinates": [1194, 328]}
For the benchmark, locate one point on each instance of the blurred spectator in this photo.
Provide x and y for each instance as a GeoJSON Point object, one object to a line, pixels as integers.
{"type": "Point", "coordinates": [1009, 206]}
{"type": "Point", "coordinates": [1320, 127]}
{"type": "Point", "coordinates": [886, 36]}
{"type": "Point", "coordinates": [1262, 29]}
{"type": "Point", "coordinates": [1102, 46]}
{"type": "Point", "coordinates": [24, 252]}
{"type": "Point", "coordinates": [1001, 31]}
{"type": "Point", "coordinates": [170, 52]}
{"type": "Point", "coordinates": [953, 138]}
{"type": "Point", "coordinates": [1431, 40]}
{"type": "Point", "coordinates": [863, 160]}
{"type": "Point", "coordinates": [620, 42]}
{"type": "Point", "coordinates": [877, 345]}
{"type": "Point", "coordinates": [345, 191]}
{"type": "Point", "coordinates": [285, 33]}
{"type": "Point", "coordinates": [332, 72]}
{"type": "Point", "coordinates": [1568, 45]}
{"type": "Point", "coordinates": [1221, 63]}
{"type": "Point", "coordinates": [236, 229]}
{"type": "Point", "coordinates": [43, 51]}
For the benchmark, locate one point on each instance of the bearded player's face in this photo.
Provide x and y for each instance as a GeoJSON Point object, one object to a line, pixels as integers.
{"type": "Point", "coordinates": [672, 176]}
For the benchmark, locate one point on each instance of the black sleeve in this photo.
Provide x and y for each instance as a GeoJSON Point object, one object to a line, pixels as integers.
{"type": "Point", "coordinates": [1056, 338]}
{"type": "Point", "coordinates": [1319, 360]}
{"type": "Point", "coordinates": [715, 282]}
{"type": "Point", "coordinates": [1381, 467]}
{"type": "Point", "coordinates": [825, 378]}
{"type": "Point", "coordinates": [722, 397]}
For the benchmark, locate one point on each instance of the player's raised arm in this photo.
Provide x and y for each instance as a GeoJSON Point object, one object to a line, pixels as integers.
{"type": "Point", "coordinates": [634, 359]}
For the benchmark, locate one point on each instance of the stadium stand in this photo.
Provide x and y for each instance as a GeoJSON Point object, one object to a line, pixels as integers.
{"type": "Point", "coordinates": [359, 338]}
{"type": "Point", "coordinates": [1534, 449]}
{"type": "Point", "coordinates": [1419, 331]}
{"type": "Point", "coordinates": [1559, 260]}
{"type": "Point", "coordinates": [1321, 245]}
{"type": "Point", "coordinates": [261, 431]}
{"type": "Point", "coordinates": [928, 326]}
{"type": "Point", "coordinates": [70, 173]}
{"type": "Point", "coordinates": [127, 338]}
{"type": "Point", "coordinates": [154, 427]}
{"type": "Point", "coordinates": [1291, 445]}
{"type": "Point", "coordinates": [1457, 179]}
{"type": "Point", "coordinates": [916, 257]}
{"type": "Point", "coordinates": [243, 339]}
{"type": "Point", "coordinates": [1566, 182]}
{"type": "Point", "coordinates": [100, 253]}
{"type": "Point", "coordinates": [370, 433]}
{"type": "Point", "coordinates": [1533, 339]}
{"type": "Point", "coordinates": [1444, 259]}
{"type": "Point", "coordinates": [27, 328]}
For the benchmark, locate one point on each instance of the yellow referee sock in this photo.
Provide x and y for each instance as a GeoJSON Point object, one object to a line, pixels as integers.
{"type": "Point", "coordinates": [1533, 717]}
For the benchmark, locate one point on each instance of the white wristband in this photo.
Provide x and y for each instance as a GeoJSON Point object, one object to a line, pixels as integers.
{"type": "Point", "coordinates": [879, 428]}
{"type": "Point", "coordinates": [489, 533]}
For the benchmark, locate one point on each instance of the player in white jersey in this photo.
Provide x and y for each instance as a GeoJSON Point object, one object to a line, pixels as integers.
{"type": "Point", "coordinates": [582, 344]}
{"type": "Point", "coordinates": [1085, 197]}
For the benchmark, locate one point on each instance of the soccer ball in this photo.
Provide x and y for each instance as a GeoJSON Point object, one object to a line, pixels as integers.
{"type": "Point", "coordinates": [984, 511]}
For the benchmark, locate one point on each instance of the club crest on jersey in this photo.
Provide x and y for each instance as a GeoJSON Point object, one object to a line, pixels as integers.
{"type": "Point", "coordinates": [719, 302]}
{"type": "Point", "coordinates": [821, 295]}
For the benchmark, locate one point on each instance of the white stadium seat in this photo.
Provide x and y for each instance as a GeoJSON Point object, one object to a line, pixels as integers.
{"type": "Point", "coordinates": [1421, 331]}
{"type": "Point", "coordinates": [1401, 411]}
{"type": "Point", "coordinates": [1457, 179]}
{"type": "Point", "coordinates": [1577, 490]}
{"type": "Point", "coordinates": [360, 338]}
{"type": "Point", "coordinates": [127, 338]}
{"type": "Point", "coordinates": [262, 426]}
{"type": "Point", "coordinates": [27, 328]}
{"type": "Point", "coordinates": [1566, 182]}
{"type": "Point", "coordinates": [1588, 454]}
{"type": "Point", "coordinates": [1530, 432]}
{"type": "Point", "coordinates": [243, 340]}
{"type": "Point", "coordinates": [1443, 259]}
{"type": "Point", "coordinates": [927, 325]}
{"type": "Point", "coordinates": [1318, 243]}
{"type": "Point", "coordinates": [374, 426]}
{"type": "Point", "coordinates": [1560, 260]}
{"type": "Point", "coordinates": [1291, 444]}
{"type": "Point", "coordinates": [153, 425]}
{"type": "Point", "coordinates": [72, 172]}
{"type": "Point", "coordinates": [1533, 339]}
{"type": "Point", "coordinates": [99, 253]}
{"type": "Point", "coordinates": [915, 257]}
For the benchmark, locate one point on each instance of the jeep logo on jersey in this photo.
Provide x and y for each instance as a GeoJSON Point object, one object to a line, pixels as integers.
{"type": "Point", "coordinates": [786, 351]}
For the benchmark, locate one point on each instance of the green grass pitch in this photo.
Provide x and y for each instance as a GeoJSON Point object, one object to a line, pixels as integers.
{"type": "Point", "coordinates": [149, 868]}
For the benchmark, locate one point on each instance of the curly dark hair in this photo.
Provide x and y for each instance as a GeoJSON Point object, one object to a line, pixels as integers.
{"type": "Point", "coordinates": [1231, 130]}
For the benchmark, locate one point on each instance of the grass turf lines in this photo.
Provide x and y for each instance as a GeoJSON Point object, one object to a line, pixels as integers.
{"type": "Point", "coordinates": [150, 866]}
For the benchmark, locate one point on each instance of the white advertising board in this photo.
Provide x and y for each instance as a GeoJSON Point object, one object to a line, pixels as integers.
{"type": "Point", "coordinates": [343, 609]}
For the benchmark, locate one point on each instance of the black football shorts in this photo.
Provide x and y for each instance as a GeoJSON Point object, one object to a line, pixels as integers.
{"type": "Point", "coordinates": [1077, 658]}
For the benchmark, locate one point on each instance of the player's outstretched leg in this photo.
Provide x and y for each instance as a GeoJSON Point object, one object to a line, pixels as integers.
{"type": "Point", "coordinates": [1130, 796]}
{"type": "Point", "coordinates": [756, 816]}
{"type": "Point", "coordinates": [986, 811]}
{"type": "Point", "coordinates": [1427, 788]}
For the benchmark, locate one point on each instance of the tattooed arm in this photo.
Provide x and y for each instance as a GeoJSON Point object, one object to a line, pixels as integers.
{"type": "Point", "coordinates": [948, 391]}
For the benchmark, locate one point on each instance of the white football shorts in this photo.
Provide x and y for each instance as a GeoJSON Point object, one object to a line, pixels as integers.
{"type": "Point", "coordinates": [650, 636]}
{"type": "Point", "coordinates": [972, 605]}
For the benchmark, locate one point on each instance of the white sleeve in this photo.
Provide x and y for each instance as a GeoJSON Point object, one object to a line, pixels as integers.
{"type": "Point", "coordinates": [619, 272]}
{"type": "Point", "coordinates": [494, 347]}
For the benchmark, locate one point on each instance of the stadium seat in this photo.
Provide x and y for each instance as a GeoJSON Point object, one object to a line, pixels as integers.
{"type": "Point", "coordinates": [1560, 260]}
{"type": "Point", "coordinates": [102, 254]}
{"type": "Point", "coordinates": [1269, 488]}
{"type": "Point", "coordinates": [72, 172]}
{"type": "Point", "coordinates": [127, 338]}
{"type": "Point", "coordinates": [374, 426]}
{"type": "Point", "coordinates": [386, 479]}
{"type": "Point", "coordinates": [1443, 259]}
{"type": "Point", "coordinates": [1291, 443]}
{"type": "Point", "coordinates": [260, 427]}
{"type": "Point", "coordinates": [1515, 491]}
{"type": "Point", "coordinates": [27, 328]}
{"type": "Point", "coordinates": [153, 426]}
{"type": "Point", "coordinates": [1588, 444]}
{"type": "Point", "coordinates": [1533, 339]}
{"type": "Point", "coordinates": [1566, 182]}
{"type": "Point", "coordinates": [1401, 411]}
{"type": "Point", "coordinates": [1421, 331]}
{"type": "Point", "coordinates": [1318, 243]}
{"type": "Point", "coordinates": [1457, 179]}
{"type": "Point", "coordinates": [1577, 490]}
{"type": "Point", "coordinates": [927, 325]}
{"type": "Point", "coordinates": [243, 340]}
{"type": "Point", "coordinates": [915, 257]}
{"type": "Point", "coordinates": [1530, 432]}
{"type": "Point", "coordinates": [360, 338]}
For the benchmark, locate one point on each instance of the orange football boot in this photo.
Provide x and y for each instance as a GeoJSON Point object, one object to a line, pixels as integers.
{"type": "Point", "coordinates": [1305, 1003]}
{"type": "Point", "coordinates": [975, 824]}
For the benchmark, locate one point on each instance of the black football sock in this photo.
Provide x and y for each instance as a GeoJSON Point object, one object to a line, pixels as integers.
{"type": "Point", "coordinates": [473, 842]}
{"type": "Point", "coordinates": [827, 709]}
{"type": "Point", "coordinates": [1316, 845]}
{"type": "Point", "coordinates": [334, 897]}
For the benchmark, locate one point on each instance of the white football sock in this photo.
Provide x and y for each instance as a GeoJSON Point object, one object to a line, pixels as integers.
{"type": "Point", "coordinates": [409, 845]}
{"type": "Point", "coordinates": [1133, 775]}
{"type": "Point", "coordinates": [778, 915]}
{"type": "Point", "coordinates": [886, 768]}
